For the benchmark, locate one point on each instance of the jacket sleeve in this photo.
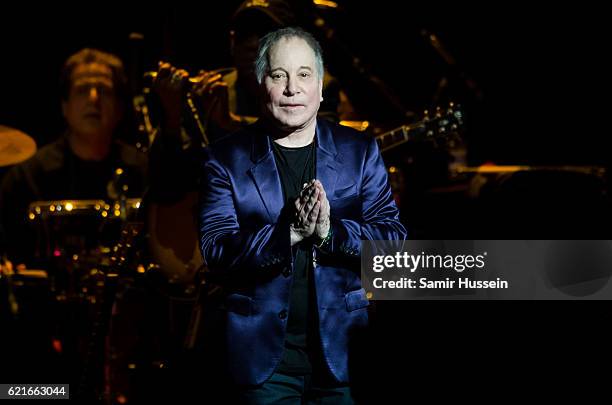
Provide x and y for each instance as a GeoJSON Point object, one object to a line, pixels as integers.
{"type": "Point", "coordinates": [379, 215]}
{"type": "Point", "coordinates": [228, 248]}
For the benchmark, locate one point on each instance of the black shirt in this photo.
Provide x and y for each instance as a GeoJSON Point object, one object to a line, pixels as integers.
{"type": "Point", "coordinates": [296, 166]}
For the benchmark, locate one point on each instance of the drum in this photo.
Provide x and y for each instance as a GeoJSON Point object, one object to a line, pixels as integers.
{"type": "Point", "coordinates": [86, 247]}
{"type": "Point", "coordinates": [150, 314]}
{"type": "Point", "coordinates": [74, 238]}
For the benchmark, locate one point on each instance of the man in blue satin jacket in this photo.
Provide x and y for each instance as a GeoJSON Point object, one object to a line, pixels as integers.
{"type": "Point", "coordinates": [285, 204]}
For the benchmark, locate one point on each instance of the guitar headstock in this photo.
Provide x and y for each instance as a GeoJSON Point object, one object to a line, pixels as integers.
{"type": "Point", "coordinates": [443, 123]}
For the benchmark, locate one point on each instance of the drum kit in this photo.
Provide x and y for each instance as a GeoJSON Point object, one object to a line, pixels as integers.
{"type": "Point", "coordinates": [106, 264]}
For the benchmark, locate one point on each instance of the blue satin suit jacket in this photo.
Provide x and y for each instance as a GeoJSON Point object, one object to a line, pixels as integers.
{"type": "Point", "coordinates": [245, 242]}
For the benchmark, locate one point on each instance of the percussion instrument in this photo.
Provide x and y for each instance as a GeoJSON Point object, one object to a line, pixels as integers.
{"type": "Point", "coordinates": [15, 146]}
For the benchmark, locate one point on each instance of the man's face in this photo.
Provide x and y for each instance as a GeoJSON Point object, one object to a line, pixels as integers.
{"type": "Point", "coordinates": [293, 89]}
{"type": "Point", "coordinates": [92, 107]}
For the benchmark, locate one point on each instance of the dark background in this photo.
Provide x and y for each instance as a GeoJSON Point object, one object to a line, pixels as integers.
{"type": "Point", "coordinates": [542, 72]}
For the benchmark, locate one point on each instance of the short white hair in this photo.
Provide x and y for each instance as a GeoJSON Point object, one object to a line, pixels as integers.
{"type": "Point", "coordinates": [262, 65]}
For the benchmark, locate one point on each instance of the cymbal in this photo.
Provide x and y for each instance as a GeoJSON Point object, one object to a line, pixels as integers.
{"type": "Point", "coordinates": [15, 146]}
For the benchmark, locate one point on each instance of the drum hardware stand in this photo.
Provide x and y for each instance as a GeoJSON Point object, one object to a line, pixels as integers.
{"type": "Point", "coordinates": [7, 273]}
{"type": "Point", "coordinates": [104, 303]}
{"type": "Point", "coordinates": [196, 312]}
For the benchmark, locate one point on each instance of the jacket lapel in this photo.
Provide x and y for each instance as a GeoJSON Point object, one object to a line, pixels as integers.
{"type": "Point", "coordinates": [265, 176]}
{"type": "Point", "coordinates": [328, 160]}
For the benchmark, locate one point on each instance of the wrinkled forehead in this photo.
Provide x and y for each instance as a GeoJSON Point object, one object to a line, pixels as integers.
{"type": "Point", "coordinates": [92, 74]}
{"type": "Point", "coordinates": [289, 51]}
